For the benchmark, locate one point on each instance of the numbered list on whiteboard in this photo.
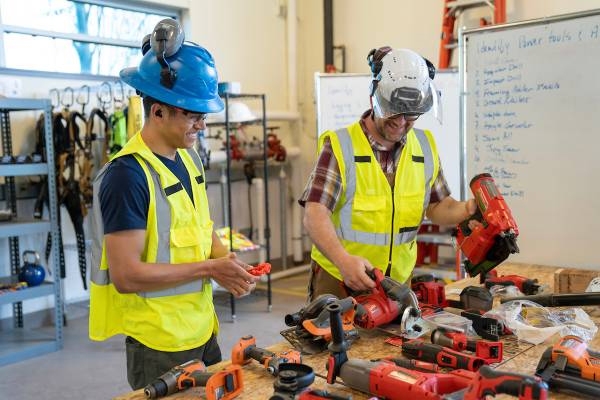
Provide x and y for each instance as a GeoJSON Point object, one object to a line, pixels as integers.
{"type": "Point", "coordinates": [529, 91]}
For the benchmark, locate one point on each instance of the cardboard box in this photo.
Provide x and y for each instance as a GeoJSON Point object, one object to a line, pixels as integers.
{"type": "Point", "coordinates": [568, 280]}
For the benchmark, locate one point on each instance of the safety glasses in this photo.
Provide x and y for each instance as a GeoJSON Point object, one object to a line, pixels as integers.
{"type": "Point", "coordinates": [407, 117]}
{"type": "Point", "coordinates": [193, 117]}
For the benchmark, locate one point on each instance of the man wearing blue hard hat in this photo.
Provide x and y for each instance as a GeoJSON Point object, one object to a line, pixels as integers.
{"type": "Point", "coordinates": [154, 250]}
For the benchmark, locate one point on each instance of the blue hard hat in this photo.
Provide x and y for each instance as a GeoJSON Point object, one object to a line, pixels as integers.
{"type": "Point", "coordinates": [195, 88]}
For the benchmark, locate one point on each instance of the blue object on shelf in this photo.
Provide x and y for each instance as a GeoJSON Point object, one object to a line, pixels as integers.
{"type": "Point", "coordinates": [32, 272]}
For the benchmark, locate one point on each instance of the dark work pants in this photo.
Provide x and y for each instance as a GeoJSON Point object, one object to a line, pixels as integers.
{"type": "Point", "coordinates": [144, 364]}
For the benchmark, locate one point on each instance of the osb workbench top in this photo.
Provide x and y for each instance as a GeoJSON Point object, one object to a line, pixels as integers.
{"type": "Point", "coordinates": [518, 356]}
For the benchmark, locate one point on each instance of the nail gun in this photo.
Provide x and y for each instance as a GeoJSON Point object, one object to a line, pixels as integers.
{"type": "Point", "coordinates": [386, 379]}
{"type": "Point", "coordinates": [487, 245]}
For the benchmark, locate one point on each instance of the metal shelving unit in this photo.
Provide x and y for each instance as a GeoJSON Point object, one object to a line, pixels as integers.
{"type": "Point", "coordinates": [20, 343]}
{"type": "Point", "coordinates": [227, 97]}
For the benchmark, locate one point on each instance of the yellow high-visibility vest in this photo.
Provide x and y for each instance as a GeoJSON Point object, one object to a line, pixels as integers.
{"type": "Point", "coordinates": [372, 220]}
{"type": "Point", "coordinates": [177, 231]}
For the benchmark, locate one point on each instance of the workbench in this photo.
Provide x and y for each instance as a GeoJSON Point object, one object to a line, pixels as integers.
{"type": "Point", "coordinates": [519, 356]}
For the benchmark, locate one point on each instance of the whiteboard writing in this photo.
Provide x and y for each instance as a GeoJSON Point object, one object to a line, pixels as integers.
{"type": "Point", "coordinates": [531, 119]}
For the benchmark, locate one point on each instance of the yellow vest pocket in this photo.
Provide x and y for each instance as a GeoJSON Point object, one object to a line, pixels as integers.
{"type": "Point", "coordinates": [369, 213]}
{"type": "Point", "coordinates": [409, 209]}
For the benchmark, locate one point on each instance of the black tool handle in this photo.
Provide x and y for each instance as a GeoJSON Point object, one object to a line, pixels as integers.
{"type": "Point", "coordinates": [258, 354]}
{"type": "Point", "coordinates": [560, 381]}
{"type": "Point", "coordinates": [493, 382]}
{"type": "Point", "coordinates": [338, 344]}
{"type": "Point", "coordinates": [197, 379]}
{"type": "Point", "coordinates": [558, 300]}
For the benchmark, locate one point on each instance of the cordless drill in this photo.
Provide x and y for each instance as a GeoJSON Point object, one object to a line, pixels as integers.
{"type": "Point", "coordinates": [220, 385]}
{"type": "Point", "coordinates": [245, 350]}
{"type": "Point", "coordinates": [487, 245]}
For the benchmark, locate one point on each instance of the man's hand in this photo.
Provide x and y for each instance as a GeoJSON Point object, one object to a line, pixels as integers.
{"type": "Point", "coordinates": [353, 273]}
{"type": "Point", "coordinates": [471, 208]}
{"type": "Point", "coordinates": [231, 273]}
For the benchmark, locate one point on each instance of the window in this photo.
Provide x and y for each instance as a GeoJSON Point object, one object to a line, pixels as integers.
{"type": "Point", "coordinates": [81, 37]}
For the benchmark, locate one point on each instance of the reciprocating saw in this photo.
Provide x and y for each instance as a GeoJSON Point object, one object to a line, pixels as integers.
{"type": "Point", "coordinates": [569, 365]}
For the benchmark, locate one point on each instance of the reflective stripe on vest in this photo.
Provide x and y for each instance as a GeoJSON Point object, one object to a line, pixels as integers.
{"type": "Point", "coordinates": [345, 230]}
{"type": "Point", "coordinates": [163, 221]}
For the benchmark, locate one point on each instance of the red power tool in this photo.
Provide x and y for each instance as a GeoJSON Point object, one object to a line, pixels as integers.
{"type": "Point", "coordinates": [442, 356]}
{"type": "Point", "coordinates": [490, 243]}
{"type": "Point", "coordinates": [432, 295]}
{"type": "Point", "coordinates": [428, 291]}
{"type": "Point", "coordinates": [220, 385]}
{"type": "Point", "coordinates": [526, 286]}
{"type": "Point", "coordinates": [260, 269]}
{"type": "Point", "coordinates": [245, 350]}
{"type": "Point", "coordinates": [491, 352]}
{"type": "Point", "coordinates": [387, 380]}
{"type": "Point", "coordinates": [385, 303]}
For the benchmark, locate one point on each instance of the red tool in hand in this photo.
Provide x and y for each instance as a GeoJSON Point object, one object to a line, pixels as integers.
{"type": "Point", "coordinates": [526, 286]}
{"type": "Point", "coordinates": [245, 350]}
{"type": "Point", "coordinates": [491, 352]}
{"type": "Point", "coordinates": [491, 242]}
{"type": "Point", "coordinates": [387, 301]}
{"type": "Point", "coordinates": [260, 269]}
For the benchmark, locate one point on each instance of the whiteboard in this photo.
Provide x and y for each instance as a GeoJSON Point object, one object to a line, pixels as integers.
{"type": "Point", "coordinates": [531, 117]}
{"type": "Point", "coordinates": [342, 98]}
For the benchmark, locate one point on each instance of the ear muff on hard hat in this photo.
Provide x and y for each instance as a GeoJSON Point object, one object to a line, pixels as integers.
{"type": "Point", "coordinates": [175, 72]}
{"type": "Point", "coordinates": [402, 83]}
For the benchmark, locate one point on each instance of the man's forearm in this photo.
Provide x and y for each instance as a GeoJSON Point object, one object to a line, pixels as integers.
{"type": "Point", "coordinates": [317, 221]}
{"type": "Point", "coordinates": [448, 212]}
{"type": "Point", "coordinates": [148, 277]}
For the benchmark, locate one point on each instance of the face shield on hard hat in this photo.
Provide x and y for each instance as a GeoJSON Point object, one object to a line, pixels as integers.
{"type": "Point", "coordinates": [404, 86]}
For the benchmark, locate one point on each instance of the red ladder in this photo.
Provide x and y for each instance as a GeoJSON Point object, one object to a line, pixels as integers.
{"type": "Point", "coordinates": [452, 9]}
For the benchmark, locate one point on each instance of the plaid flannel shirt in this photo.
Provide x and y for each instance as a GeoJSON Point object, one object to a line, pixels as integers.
{"type": "Point", "coordinates": [324, 184]}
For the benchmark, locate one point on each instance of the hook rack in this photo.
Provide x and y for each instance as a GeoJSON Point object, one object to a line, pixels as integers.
{"type": "Point", "coordinates": [108, 93]}
{"type": "Point", "coordinates": [105, 89]}
{"type": "Point", "coordinates": [52, 103]}
{"type": "Point", "coordinates": [66, 90]}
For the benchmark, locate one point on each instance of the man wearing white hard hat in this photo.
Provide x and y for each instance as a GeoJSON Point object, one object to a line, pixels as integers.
{"type": "Point", "coordinates": [376, 180]}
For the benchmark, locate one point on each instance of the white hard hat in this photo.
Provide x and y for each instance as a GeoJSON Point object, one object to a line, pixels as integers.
{"type": "Point", "coordinates": [238, 112]}
{"type": "Point", "coordinates": [402, 83]}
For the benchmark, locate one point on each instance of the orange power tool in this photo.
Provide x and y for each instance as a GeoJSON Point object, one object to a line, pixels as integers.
{"type": "Point", "coordinates": [220, 385]}
{"type": "Point", "coordinates": [570, 365]}
{"type": "Point", "coordinates": [245, 350]}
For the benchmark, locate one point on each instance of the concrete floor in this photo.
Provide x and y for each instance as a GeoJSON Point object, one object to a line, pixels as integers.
{"type": "Point", "coordinates": [96, 370]}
